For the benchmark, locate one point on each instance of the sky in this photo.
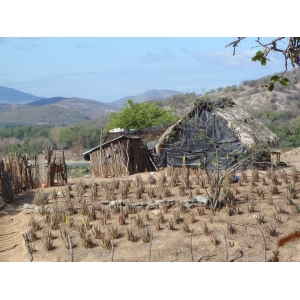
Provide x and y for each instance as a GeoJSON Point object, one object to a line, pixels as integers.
{"type": "Point", "coordinates": [86, 52]}
{"type": "Point", "coordinates": [106, 69]}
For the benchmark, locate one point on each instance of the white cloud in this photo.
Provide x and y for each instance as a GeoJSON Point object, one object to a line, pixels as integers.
{"type": "Point", "coordinates": [165, 55]}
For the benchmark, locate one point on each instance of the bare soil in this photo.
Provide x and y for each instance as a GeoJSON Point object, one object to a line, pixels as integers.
{"type": "Point", "coordinates": [244, 244]}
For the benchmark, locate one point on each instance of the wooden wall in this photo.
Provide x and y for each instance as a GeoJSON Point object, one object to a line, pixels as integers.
{"type": "Point", "coordinates": [119, 158]}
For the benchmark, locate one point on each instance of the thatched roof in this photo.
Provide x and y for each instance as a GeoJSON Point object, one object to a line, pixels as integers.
{"type": "Point", "coordinates": [249, 130]}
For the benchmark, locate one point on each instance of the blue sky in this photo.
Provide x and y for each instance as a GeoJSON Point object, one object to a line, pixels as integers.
{"type": "Point", "coordinates": [106, 69]}
{"type": "Point", "coordinates": [124, 48]}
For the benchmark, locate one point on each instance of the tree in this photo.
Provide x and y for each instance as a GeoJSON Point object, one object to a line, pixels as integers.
{"type": "Point", "coordinates": [140, 115]}
{"type": "Point", "coordinates": [290, 51]}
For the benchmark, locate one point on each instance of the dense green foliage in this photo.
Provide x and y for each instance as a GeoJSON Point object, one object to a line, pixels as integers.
{"type": "Point", "coordinates": [34, 139]}
{"type": "Point", "coordinates": [30, 147]}
{"type": "Point", "coordinates": [79, 136]}
{"type": "Point", "coordinates": [285, 124]}
{"type": "Point", "coordinates": [140, 115]}
{"type": "Point", "coordinates": [26, 131]}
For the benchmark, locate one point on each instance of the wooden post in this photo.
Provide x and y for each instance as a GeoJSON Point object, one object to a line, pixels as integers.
{"type": "Point", "coordinates": [25, 237]}
{"type": "Point", "coordinates": [71, 248]}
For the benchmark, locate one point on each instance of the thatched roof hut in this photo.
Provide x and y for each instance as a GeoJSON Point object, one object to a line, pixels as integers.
{"type": "Point", "coordinates": [211, 128]}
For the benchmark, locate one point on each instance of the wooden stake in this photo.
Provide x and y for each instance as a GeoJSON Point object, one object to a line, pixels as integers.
{"type": "Point", "coordinates": [71, 248]}
{"type": "Point", "coordinates": [150, 247]}
{"type": "Point", "coordinates": [262, 233]}
{"type": "Point", "coordinates": [225, 244]}
{"type": "Point", "coordinates": [112, 249]}
{"type": "Point", "coordinates": [191, 245]}
{"type": "Point", "coordinates": [25, 237]}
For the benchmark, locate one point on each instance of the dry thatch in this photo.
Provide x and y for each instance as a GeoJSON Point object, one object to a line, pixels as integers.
{"type": "Point", "coordinates": [249, 130]}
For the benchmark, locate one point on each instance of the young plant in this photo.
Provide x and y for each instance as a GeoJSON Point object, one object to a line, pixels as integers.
{"type": "Point", "coordinates": [297, 208]}
{"type": "Point", "coordinates": [130, 235]}
{"type": "Point", "coordinates": [40, 198]}
{"type": "Point", "coordinates": [139, 220]}
{"type": "Point", "coordinates": [34, 224]}
{"type": "Point", "coordinates": [54, 194]}
{"type": "Point", "coordinates": [259, 218]}
{"type": "Point", "coordinates": [93, 191]}
{"type": "Point", "coordinates": [185, 227]}
{"type": "Point", "coordinates": [270, 230]}
{"type": "Point", "coordinates": [161, 217]}
{"type": "Point", "coordinates": [106, 241]}
{"type": "Point", "coordinates": [277, 217]}
{"type": "Point", "coordinates": [113, 232]}
{"type": "Point", "coordinates": [47, 239]}
{"type": "Point", "coordinates": [174, 180]}
{"type": "Point", "coordinates": [250, 206]}
{"type": "Point", "coordinates": [31, 234]}
{"type": "Point", "coordinates": [157, 224]}
{"type": "Point", "coordinates": [284, 176]}
{"type": "Point", "coordinates": [151, 191]}
{"type": "Point", "coordinates": [205, 228]}
{"type": "Point", "coordinates": [122, 219]}
{"type": "Point", "coordinates": [201, 211]}
{"type": "Point", "coordinates": [292, 192]}
{"type": "Point", "coordinates": [177, 216]}
{"type": "Point", "coordinates": [85, 238]}
{"type": "Point", "coordinates": [54, 220]}
{"type": "Point", "coordinates": [182, 207]}
{"type": "Point", "coordinates": [170, 224]}
{"type": "Point", "coordinates": [166, 191]}
{"type": "Point", "coordinates": [146, 235]}
{"type": "Point", "coordinates": [230, 211]}
{"type": "Point", "coordinates": [181, 190]}
{"type": "Point", "coordinates": [244, 176]}
{"type": "Point", "coordinates": [230, 228]}
{"type": "Point", "coordinates": [263, 181]}
{"type": "Point", "coordinates": [131, 209]}
{"type": "Point", "coordinates": [151, 179]}
{"type": "Point", "coordinates": [192, 217]}
{"type": "Point", "coordinates": [294, 175]}
{"type": "Point", "coordinates": [138, 192]}
{"type": "Point", "coordinates": [97, 232]}
{"type": "Point", "coordinates": [255, 175]}
{"type": "Point", "coordinates": [288, 201]}
{"type": "Point", "coordinates": [91, 213]}
{"type": "Point", "coordinates": [214, 240]}
{"type": "Point", "coordinates": [125, 185]}
{"type": "Point", "coordinates": [278, 208]}
{"type": "Point", "coordinates": [65, 233]}
{"type": "Point", "coordinates": [165, 208]}
{"type": "Point", "coordinates": [80, 189]}
{"type": "Point", "coordinates": [162, 179]}
{"type": "Point", "coordinates": [42, 209]}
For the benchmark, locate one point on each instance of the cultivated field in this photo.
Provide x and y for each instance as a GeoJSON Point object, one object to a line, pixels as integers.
{"type": "Point", "coordinates": [157, 217]}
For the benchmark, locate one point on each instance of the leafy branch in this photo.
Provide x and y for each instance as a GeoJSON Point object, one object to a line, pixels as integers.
{"type": "Point", "coordinates": [290, 51]}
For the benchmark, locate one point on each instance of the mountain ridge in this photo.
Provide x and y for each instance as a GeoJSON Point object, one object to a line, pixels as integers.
{"type": "Point", "coordinates": [154, 94]}
{"type": "Point", "coordinates": [10, 95]}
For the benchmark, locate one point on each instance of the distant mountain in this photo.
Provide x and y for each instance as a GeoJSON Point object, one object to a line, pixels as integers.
{"type": "Point", "coordinates": [90, 108]}
{"type": "Point", "coordinates": [148, 95]}
{"type": "Point", "coordinates": [46, 101]}
{"type": "Point", "coordinates": [19, 115]}
{"type": "Point", "coordinates": [9, 95]}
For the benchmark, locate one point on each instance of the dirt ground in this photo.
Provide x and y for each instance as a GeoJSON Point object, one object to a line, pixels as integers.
{"type": "Point", "coordinates": [245, 242]}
